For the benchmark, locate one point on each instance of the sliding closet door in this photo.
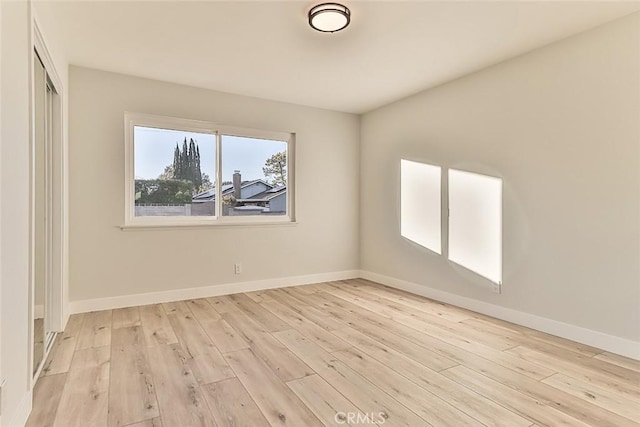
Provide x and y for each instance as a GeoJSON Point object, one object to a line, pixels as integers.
{"type": "Point", "coordinates": [40, 209]}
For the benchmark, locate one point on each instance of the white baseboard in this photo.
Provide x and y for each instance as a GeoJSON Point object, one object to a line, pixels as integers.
{"type": "Point", "coordinates": [65, 318]}
{"type": "Point", "coordinates": [84, 306]}
{"type": "Point", "coordinates": [611, 343]}
{"type": "Point", "coordinates": [21, 415]}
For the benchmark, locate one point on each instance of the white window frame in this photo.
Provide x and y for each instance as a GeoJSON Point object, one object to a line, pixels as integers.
{"type": "Point", "coordinates": [131, 120]}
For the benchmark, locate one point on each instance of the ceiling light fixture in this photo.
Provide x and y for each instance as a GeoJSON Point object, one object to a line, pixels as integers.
{"type": "Point", "coordinates": [329, 17]}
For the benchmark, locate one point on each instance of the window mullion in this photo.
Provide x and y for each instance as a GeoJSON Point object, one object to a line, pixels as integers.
{"type": "Point", "coordinates": [218, 203]}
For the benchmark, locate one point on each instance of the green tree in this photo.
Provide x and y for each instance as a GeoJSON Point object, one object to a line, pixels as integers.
{"type": "Point", "coordinates": [206, 184]}
{"type": "Point", "coordinates": [168, 173]}
{"type": "Point", "coordinates": [163, 191]}
{"type": "Point", "coordinates": [186, 165]}
{"type": "Point", "coordinates": [275, 169]}
{"type": "Point", "coordinates": [177, 163]}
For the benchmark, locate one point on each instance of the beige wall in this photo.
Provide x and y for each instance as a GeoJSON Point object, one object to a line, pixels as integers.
{"type": "Point", "coordinates": [106, 261]}
{"type": "Point", "coordinates": [14, 223]}
{"type": "Point", "coordinates": [561, 126]}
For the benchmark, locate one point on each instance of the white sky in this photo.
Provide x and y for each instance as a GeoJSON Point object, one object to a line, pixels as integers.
{"type": "Point", "coordinates": [154, 148]}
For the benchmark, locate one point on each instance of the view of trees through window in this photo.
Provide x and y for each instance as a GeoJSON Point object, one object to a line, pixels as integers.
{"type": "Point", "coordinates": [175, 174]}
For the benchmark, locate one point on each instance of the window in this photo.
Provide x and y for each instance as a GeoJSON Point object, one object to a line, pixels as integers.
{"type": "Point", "coordinates": [171, 167]}
{"type": "Point", "coordinates": [420, 204]}
{"type": "Point", "coordinates": [254, 176]}
{"type": "Point", "coordinates": [174, 167]}
{"type": "Point", "coordinates": [475, 223]}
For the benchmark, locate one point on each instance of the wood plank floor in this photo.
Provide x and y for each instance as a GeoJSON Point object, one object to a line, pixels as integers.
{"type": "Point", "coordinates": [339, 353]}
{"type": "Point", "coordinates": [38, 343]}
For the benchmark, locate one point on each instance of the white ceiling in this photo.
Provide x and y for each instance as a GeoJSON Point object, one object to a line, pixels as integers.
{"type": "Point", "coordinates": [266, 49]}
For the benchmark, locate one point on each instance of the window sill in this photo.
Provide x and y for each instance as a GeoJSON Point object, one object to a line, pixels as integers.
{"type": "Point", "coordinates": [187, 225]}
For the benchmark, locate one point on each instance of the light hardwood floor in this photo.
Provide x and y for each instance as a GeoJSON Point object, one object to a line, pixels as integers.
{"type": "Point", "coordinates": [38, 343]}
{"type": "Point", "coordinates": [340, 353]}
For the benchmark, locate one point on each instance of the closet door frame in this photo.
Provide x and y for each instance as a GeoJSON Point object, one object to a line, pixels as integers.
{"type": "Point", "coordinates": [56, 185]}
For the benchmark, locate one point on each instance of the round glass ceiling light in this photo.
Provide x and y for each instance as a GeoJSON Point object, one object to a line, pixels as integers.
{"type": "Point", "coordinates": [329, 17]}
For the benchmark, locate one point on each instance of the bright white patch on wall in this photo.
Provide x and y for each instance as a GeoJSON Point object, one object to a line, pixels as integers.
{"type": "Point", "coordinates": [420, 204]}
{"type": "Point", "coordinates": [475, 223]}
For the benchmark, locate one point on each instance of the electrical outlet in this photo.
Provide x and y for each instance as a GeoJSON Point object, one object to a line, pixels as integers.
{"type": "Point", "coordinates": [496, 288]}
{"type": "Point", "coordinates": [238, 268]}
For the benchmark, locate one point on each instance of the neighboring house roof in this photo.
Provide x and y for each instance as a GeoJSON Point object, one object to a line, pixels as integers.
{"type": "Point", "coordinates": [278, 189]}
{"type": "Point", "coordinates": [267, 195]}
{"type": "Point", "coordinates": [205, 195]}
{"type": "Point", "coordinates": [228, 189]}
